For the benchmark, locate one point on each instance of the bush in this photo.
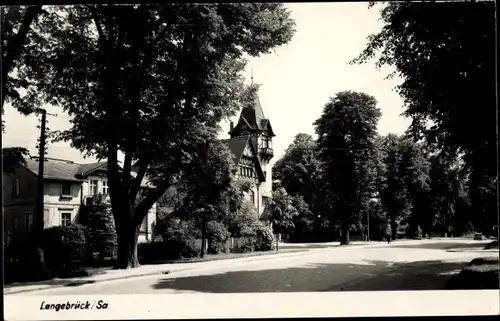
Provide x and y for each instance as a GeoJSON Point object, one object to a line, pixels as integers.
{"type": "Point", "coordinates": [244, 217]}
{"type": "Point", "coordinates": [20, 259]}
{"type": "Point", "coordinates": [217, 235]}
{"type": "Point", "coordinates": [64, 247]}
{"type": "Point", "coordinates": [243, 245]}
{"type": "Point", "coordinates": [101, 231]}
{"type": "Point", "coordinates": [263, 239]}
{"type": "Point", "coordinates": [177, 241]}
{"type": "Point", "coordinates": [189, 248]}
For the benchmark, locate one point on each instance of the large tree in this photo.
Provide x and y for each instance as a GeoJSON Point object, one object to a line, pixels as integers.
{"type": "Point", "coordinates": [281, 211]}
{"type": "Point", "coordinates": [406, 183]}
{"type": "Point", "coordinates": [346, 141]}
{"type": "Point", "coordinates": [448, 196]}
{"type": "Point", "coordinates": [299, 171]}
{"type": "Point", "coordinates": [16, 22]}
{"type": "Point", "coordinates": [445, 54]}
{"type": "Point", "coordinates": [155, 89]}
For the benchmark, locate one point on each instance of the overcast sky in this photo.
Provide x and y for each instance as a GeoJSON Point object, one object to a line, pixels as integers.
{"type": "Point", "coordinates": [296, 81]}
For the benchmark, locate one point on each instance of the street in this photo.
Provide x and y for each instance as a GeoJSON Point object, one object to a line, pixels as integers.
{"type": "Point", "coordinates": [409, 265]}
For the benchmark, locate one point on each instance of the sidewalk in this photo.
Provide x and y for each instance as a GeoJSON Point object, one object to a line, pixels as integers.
{"type": "Point", "coordinates": [168, 268]}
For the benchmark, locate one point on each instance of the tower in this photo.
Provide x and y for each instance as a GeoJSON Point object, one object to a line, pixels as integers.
{"type": "Point", "coordinates": [253, 123]}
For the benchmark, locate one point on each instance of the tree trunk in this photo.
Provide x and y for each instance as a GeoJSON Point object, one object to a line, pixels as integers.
{"type": "Point", "coordinates": [394, 227]}
{"type": "Point", "coordinates": [345, 232]}
{"type": "Point", "coordinates": [128, 240]}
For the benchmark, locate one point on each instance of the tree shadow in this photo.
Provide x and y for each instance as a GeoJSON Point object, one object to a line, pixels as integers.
{"type": "Point", "coordinates": [441, 246]}
{"type": "Point", "coordinates": [372, 276]}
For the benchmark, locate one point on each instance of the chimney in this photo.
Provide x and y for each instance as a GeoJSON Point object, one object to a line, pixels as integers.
{"type": "Point", "coordinates": [231, 125]}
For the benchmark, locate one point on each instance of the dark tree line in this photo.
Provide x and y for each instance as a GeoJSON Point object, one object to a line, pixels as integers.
{"type": "Point", "coordinates": [441, 176]}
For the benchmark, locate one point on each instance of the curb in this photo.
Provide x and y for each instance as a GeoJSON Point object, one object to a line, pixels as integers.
{"type": "Point", "coordinates": [473, 250]}
{"type": "Point", "coordinates": [159, 272]}
{"type": "Point", "coordinates": [156, 272]}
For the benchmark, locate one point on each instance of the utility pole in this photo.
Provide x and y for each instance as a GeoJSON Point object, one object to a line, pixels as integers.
{"type": "Point", "coordinates": [203, 213]}
{"type": "Point", "coordinates": [39, 207]}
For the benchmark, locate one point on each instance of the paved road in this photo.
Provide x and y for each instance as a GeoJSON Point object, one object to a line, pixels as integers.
{"type": "Point", "coordinates": [404, 266]}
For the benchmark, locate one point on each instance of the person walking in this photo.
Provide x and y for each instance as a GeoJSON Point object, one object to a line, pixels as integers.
{"type": "Point", "coordinates": [388, 233]}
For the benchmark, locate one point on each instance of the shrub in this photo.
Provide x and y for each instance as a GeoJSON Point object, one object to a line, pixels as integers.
{"type": "Point", "coordinates": [101, 231]}
{"type": "Point", "coordinates": [177, 241]}
{"type": "Point", "coordinates": [243, 245]}
{"type": "Point", "coordinates": [64, 247]}
{"type": "Point", "coordinates": [244, 217]}
{"type": "Point", "coordinates": [20, 259]}
{"type": "Point", "coordinates": [263, 239]}
{"type": "Point", "coordinates": [217, 235]}
{"type": "Point", "coordinates": [189, 248]}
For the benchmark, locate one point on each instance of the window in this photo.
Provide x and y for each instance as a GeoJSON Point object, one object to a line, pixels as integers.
{"type": "Point", "coordinates": [252, 197]}
{"type": "Point", "coordinates": [16, 192]}
{"type": "Point", "coordinates": [265, 141]}
{"type": "Point", "coordinates": [93, 187]}
{"type": "Point", "coordinates": [29, 221]}
{"type": "Point", "coordinates": [265, 200]}
{"type": "Point", "coordinates": [65, 219]}
{"type": "Point", "coordinates": [105, 188]}
{"type": "Point", "coordinates": [16, 224]}
{"type": "Point", "coordinates": [66, 189]}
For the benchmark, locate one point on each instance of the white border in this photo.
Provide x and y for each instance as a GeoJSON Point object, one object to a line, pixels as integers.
{"type": "Point", "coordinates": [259, 305]}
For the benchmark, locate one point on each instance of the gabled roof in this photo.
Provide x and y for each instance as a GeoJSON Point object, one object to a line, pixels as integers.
{"type": "Point", "coordinates": [55, 169]}
{"type": "Point", "coordinates": [65, 170]}
{"type": "Point", "coordinates": [86, 169]}
{"type": "Point", "coordinates": [253, 117]}
{"type": "Point", "coordinates": [237, 147]}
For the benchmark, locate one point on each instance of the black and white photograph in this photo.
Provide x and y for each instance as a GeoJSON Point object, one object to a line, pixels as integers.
{"type": "Point", "coordinates": [180, 149]}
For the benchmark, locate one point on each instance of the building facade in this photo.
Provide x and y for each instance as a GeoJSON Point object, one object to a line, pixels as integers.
{"type": "Point", "coordinates": [251, 144]}
{"type": "Point", "coordinates": [67, 187]}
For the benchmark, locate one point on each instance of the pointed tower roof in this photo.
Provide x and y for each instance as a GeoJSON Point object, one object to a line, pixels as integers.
{"type": "Point", "coordinates": [254, 114]}
{"type": "Point", "coordinates": [253, 117]}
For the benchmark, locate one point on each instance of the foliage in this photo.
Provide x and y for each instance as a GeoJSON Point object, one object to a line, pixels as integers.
{"type": "Point", "coordinates": [217, 235]}
{"type": "Point", "coordinates": [303, 222]}
{"type": "Point", "coordinates": [263, 237]}
{"type": "Point", "coordinates": [298, 169]}
{"type": "Point", "coordinates": [346, 133]}
{"type": "Point", "coordinates": [163, 87]}
{"type": "Point", "coordinates": [100, 229]}
{"type": "Point", "coordinates": [64, 247]}
{"type": "Point", "coordinates": [281, 211]}
{"type": "Point", "coordinates": [177, 240]}
{"type": "Point", "coordinates": [378, 220]}
{"type": "Point", "coordinates": [16, 32]}
{"type": "Point", "coordinates": [12, 157]}
{"type": "Point", "coordinates": [299, 172]}
{"type": "Point", "coordinates": [442, 54]}
{"type": "Point", "coordinates": [406, 182]}
{"type": "Point", "coordinates": [242, 218]}
{"type": "Point", "coordinates": [447, 66]}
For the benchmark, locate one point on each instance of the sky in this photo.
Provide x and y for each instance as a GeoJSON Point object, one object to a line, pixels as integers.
{"type": "Point", "coordinates": [296, 80]}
